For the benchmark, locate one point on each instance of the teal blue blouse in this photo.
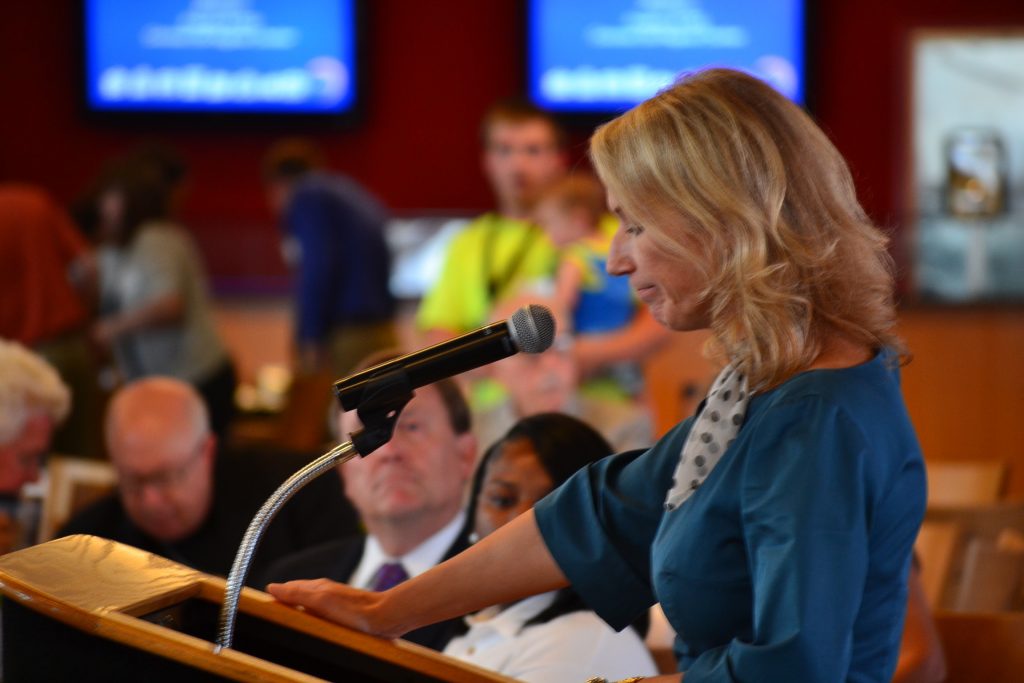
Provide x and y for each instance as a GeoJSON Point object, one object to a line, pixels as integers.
{"type": "Point", "coordinates": [790, 562]}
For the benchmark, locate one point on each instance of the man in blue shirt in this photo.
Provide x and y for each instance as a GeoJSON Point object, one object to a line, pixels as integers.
{"type": "Point", "coordinates": [335, 242]}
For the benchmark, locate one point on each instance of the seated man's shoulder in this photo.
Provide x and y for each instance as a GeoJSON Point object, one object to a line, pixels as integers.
{"type": "Point", "coordinates": [334, 560]}
{"type": "Point", "coordinates": [250, 478]}
{"type": "Point", "coordinates": [244, 467]}
{"type": "Point", "coordinates": [105, 517]}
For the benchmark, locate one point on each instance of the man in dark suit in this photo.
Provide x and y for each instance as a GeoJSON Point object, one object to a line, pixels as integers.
{"type": "Point", "coordinates": [409, 494]}
{"type": "Point", "coordinates": [179, 498]}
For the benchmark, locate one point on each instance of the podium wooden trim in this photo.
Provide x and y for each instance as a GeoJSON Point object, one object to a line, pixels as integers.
{"type": "Point", "coordinates": [112, 591]}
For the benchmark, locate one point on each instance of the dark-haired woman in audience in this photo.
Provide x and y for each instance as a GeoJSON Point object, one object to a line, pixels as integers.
{"type": "Point", "coordinates": [155, 310]}
{"type": "Point", "coordinates": [551, 637]}
{"type": "Point", "coordinates": [775, 526]}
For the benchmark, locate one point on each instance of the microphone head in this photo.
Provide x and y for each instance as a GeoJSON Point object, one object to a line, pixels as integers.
{"type": "Point", "coordinates": [532, 328]}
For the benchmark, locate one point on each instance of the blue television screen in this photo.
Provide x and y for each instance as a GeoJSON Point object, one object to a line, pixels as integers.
{"type": "Point", "coordinates": [220, 56]}
{"type": "Point", "coordinates": [604, 56]}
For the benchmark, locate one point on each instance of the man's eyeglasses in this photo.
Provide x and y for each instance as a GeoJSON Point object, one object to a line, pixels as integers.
{"type": "Point", "coordinates": [163, 480]}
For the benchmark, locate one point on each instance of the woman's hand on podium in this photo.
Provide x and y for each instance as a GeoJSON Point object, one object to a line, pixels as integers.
{"type": "Point", "coordinates": [514, 560]}
{"type": "Point", "coordinates": [358, 609]}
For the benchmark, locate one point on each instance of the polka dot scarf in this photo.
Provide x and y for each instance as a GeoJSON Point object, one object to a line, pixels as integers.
{"type": "Point", "coordinates": [713, 432]}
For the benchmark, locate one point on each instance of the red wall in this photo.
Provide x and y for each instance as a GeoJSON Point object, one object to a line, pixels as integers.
{"type": "Point", "coordinates": [433, 67]}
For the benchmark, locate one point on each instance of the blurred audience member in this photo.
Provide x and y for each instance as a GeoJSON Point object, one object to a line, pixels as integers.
{"type": "Point", "coordinates": [177, 497]}
{"type": "Point", "coordinates": [523, 154]}
{"type": "Point", "coordinates": [570, 212]}
{"type": "Point", "coordinates": [165, 165]}
{"type": "Point", "coordinates": [33, 400]}
{"type": "Point", "coordinates": [921, 657]}
{"type": "Point", "coordinates": [335, 240]}
{"type": "Point", "coordinates": [47, 280]}
{"type": "Point", "coordinates": [524, 157]}
{"type": "Point", "coordinates": [550, 382]}
{"type": "Point", "coordinates": [409, 495]}
{"type": "Point", "coordinates": [551, 637]}
{"type": "Point", "coordinates": [614, 331]}
{"type": "Point", "coordinates": [155, 309]}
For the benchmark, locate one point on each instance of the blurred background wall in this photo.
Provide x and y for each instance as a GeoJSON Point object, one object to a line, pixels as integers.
{"type": "Point", "coordinates": [432, 67]}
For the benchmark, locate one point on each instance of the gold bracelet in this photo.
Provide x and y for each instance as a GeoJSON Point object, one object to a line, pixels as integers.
{"type": "Point", "coordinates": [601, 679]}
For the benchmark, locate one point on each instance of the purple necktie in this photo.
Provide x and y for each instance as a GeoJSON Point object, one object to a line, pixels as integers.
{"type": "Point", "coordinates": [390, 574]}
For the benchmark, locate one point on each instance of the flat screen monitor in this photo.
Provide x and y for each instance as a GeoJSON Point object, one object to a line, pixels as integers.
{"type": "Point", "coordinates": [221, 58]}
{"type": "Point", "coordinates": [601, 57]}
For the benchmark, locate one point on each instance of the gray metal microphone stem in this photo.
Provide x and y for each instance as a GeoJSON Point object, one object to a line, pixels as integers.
{"type": "Point", "coordinates": [384, 398]}
{"type": "Point", "coordinates": [259, 523]}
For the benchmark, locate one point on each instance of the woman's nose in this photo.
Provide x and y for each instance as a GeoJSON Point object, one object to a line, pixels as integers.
{"type": "Point", "coordinates": [619, 261]}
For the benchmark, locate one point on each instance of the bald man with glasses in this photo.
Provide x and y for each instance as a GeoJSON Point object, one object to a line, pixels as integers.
{"type": "Point", "coordinates": [179, 498]}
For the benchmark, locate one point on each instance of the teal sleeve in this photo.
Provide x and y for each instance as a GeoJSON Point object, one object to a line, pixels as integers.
{"type": "Point", "coordinates": [601, 523]}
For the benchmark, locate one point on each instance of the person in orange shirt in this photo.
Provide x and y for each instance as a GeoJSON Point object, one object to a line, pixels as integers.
{"type": "Point", "coordinates": [46, 275]}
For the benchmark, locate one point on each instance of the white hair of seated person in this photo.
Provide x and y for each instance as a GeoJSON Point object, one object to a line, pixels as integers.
{"type": "Point", "coordinates": [29, 386]}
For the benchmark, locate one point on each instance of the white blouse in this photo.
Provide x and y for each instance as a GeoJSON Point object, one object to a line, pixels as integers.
{"type": "Point", "coordinates": [572, 647]}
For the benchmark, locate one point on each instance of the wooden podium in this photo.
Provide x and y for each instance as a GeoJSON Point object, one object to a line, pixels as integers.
{"type": "Point", "coordinates": [84, 608]}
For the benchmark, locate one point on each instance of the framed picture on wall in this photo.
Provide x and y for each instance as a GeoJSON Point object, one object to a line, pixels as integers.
{"type": "Point", "coordinates": [966, 188]}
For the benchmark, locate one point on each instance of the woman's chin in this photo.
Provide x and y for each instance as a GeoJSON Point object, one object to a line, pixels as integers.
{"type": "Point", "coordinates": [659, 313]}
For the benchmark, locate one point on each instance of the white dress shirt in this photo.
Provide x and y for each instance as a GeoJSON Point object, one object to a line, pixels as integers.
{"type": "Point", "coordinates": [418, 560]}
{"type": "Point", "coordinates": [572, 647]}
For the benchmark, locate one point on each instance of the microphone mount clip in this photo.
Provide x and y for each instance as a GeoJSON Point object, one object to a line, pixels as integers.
{"type": "Point", "coordinates": [382, 400]}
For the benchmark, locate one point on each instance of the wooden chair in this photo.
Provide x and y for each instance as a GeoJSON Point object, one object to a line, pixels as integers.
{"type": "Point", "coordinates": [965, 563]}
{"type": "Point", "coordinates": [72, 484]}
{"type": "Point", "coordinates": [965, 483]}
{"type": "Point", "coordinates": [982, 646]}
{"type": "Point", "coordinates": [955, 487]}
{"type": "Point", "coordinates": [936, 546]}
{"type": "Point", "coordinates": [991, 577]}
{"type": "Point", "coordinates": [301, 425]}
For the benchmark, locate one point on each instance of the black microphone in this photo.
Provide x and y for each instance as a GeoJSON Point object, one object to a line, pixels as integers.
{"type": "Point", "coordinates": [531, 329]}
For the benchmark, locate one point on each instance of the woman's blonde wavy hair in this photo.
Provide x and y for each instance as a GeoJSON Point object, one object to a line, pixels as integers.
{"type": "Point", "coordinates": [788, 253]}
